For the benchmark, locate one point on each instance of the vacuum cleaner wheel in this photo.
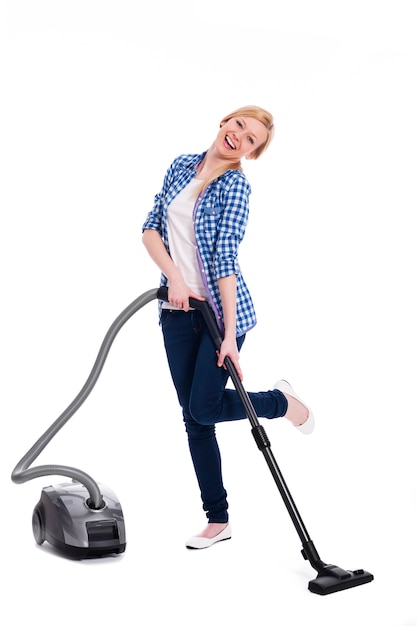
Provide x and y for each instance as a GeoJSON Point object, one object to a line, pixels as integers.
{"type": "Point", "coordinates": [38, 525]}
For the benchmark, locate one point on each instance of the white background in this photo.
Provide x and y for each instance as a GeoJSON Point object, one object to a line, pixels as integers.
{"type": "Point", "coordinates": [97, 98]}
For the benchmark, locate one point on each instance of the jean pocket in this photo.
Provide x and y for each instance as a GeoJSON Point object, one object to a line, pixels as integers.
{"type": "Point", "coordinates": [166, 316]}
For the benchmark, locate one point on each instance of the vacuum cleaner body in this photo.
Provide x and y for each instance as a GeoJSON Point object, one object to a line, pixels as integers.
{"type": "Point", "coordinates": [65, 519]}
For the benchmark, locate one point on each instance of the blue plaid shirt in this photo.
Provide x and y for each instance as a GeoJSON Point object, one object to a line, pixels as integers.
{"type": "Point", "coordinates": [220, 218]}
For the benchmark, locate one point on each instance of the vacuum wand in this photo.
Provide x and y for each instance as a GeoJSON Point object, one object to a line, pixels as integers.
{"type": "Point", "coordinates": [330, 578]}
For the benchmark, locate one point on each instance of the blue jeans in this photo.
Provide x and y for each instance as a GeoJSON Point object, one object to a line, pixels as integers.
{"type": "Point", "coordinates": [205, 401]}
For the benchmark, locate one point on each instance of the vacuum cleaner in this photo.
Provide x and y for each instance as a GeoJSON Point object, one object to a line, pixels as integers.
{"type": "Point", "coordinates": [83, 519]}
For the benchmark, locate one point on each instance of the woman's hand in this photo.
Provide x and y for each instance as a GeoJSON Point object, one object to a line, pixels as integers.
{"type": "Point", "coordinates": [179, 294]}
{"type": "Point", "coordinates": [229, 348]}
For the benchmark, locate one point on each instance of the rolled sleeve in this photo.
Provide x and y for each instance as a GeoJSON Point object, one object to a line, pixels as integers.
{"type": "Point", "coordinates": [154, 218]}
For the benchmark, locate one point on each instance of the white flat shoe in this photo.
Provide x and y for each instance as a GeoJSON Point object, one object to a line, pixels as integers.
{"type": "Point", "coordinates": [308, 426]}
{"type": "Point", "coordinates": [198, 543]}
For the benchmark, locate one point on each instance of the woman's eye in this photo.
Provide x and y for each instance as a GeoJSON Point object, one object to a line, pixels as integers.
{"type": "Point", "coordinates": [239, 124]}
{"type": "Point", "coordinates": [251, 141]}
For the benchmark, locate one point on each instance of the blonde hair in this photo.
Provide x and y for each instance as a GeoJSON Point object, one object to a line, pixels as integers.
{"type": "Point", "coordinates": [256, 113]}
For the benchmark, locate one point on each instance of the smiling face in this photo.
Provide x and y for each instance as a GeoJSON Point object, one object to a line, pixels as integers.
{"type": "Point", "coordinates": [239, 137]}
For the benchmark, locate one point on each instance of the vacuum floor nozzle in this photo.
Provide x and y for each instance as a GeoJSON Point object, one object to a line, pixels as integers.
{"type": "Point", "coordinates": [338, 580]}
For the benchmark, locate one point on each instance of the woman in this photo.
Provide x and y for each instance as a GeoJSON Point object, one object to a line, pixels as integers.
{"type": "Point", "coordinates": [193, 235]}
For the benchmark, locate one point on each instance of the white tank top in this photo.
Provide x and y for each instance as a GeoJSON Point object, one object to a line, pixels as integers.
{"type": "Point", "coordinates": [181, 237]}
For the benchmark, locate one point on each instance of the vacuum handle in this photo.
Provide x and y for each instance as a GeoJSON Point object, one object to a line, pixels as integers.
{"type": "Point", "coordinates": [207, 311]}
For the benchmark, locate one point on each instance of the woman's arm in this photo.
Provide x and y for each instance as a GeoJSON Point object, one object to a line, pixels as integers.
{"type": "Point", "coordinates": [178, 292]}
{"type": "Point", "coordinates": [227, 287]}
